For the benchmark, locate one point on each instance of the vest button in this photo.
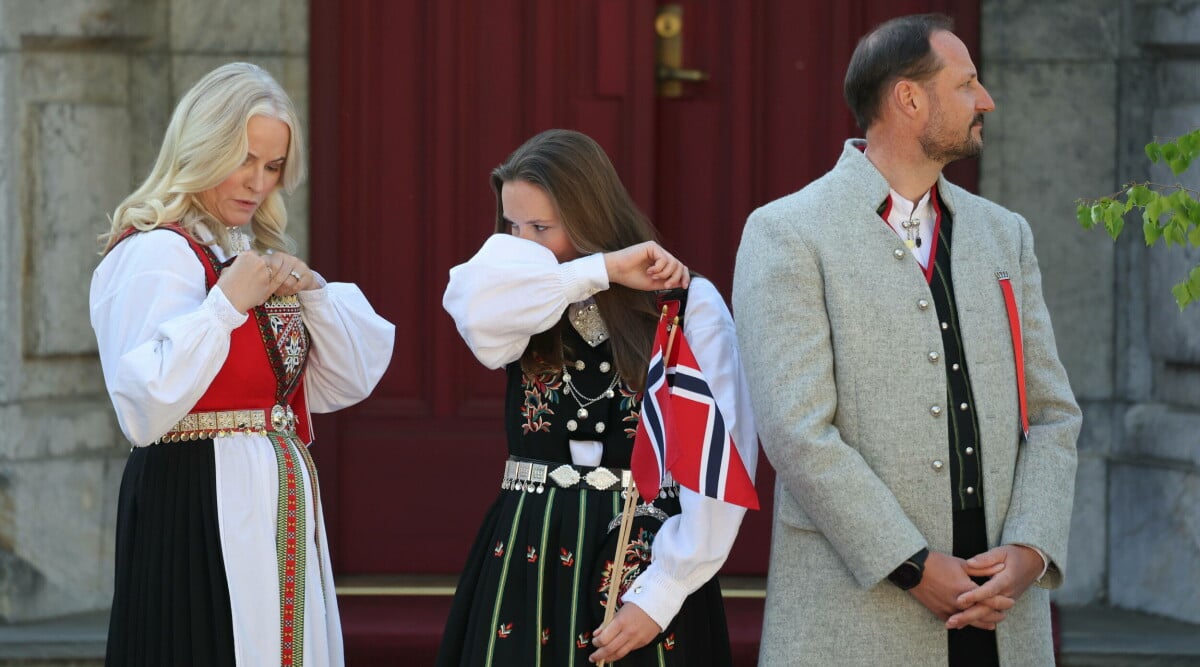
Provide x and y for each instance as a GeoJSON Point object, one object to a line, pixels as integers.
{"type": "Point", "coordinates": [933, 357]}
{"type": "Point", "coordinates": [898, 253]}
{"type": "Point", "coordinates": [938, 465]}
{"type": "Point", "coordinates": [923, 304]}
{"type": "Point", "coordinates": [936, 411]}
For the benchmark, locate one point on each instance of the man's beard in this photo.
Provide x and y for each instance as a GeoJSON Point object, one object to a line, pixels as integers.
{"type": "Point", "coordinates": [946, 150]}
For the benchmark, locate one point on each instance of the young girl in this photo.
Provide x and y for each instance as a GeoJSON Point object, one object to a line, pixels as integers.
{"type": "Point", "coordinates": [563, 297]}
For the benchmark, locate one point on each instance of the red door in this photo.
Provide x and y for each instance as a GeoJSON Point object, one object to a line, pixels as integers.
{"type": "Point", "coordinates": [412, 105]}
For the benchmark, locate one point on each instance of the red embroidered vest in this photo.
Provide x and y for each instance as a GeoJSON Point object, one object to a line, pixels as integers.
{"type": "Point", "coordinates": [267, 353]}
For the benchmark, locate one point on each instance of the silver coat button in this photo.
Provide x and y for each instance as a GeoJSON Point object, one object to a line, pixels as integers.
{"type": "Point", "coordinates": [938, 465]}
{"type": "Point", "coordinates": [945, 326]}
{"type": "Point", "coordinates": [970, 490]}
{"type": "Point", "coordinates": [898, 253]}
{"type": "Point", "coordinates": [970, 451]}
{"type": "Point", "coordinates": [936, 411]}
{"type": "Point", "coordinates": [933, 357]}
{"type": "Point", "coordinates": [963, 406]}
{"type": "Point", "coordinates": [923, 304]}
{"type": "Point", "coordinates": [955, 367]}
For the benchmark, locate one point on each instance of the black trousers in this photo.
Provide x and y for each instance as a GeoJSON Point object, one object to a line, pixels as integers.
{"type": "Point", "coordinates": [969, 646]}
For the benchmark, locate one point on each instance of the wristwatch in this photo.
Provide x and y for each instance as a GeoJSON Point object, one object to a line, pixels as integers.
{"type": "Point", "coordinates": [909, 573]}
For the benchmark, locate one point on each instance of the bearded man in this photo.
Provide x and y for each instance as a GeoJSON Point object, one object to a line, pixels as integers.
{"type": "Point", "coordinates": [907, 387]}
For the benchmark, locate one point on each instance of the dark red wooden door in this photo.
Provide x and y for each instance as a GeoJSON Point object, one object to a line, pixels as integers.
{"type": "Point", "coordinates": [413, 103]}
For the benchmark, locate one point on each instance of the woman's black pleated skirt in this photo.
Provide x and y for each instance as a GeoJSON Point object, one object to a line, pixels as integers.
{"type": "Point", "coordinates": [530, 592]}
{"type": "Point", "coordinates": [171, 599]}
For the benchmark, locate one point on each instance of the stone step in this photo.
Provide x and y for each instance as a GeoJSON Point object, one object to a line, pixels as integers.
{"type": "Point", "coordinates": [390, 629]}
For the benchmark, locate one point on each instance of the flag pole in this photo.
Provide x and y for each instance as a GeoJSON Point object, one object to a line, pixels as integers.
{"type": "Point", "coordinates": [631, 500]}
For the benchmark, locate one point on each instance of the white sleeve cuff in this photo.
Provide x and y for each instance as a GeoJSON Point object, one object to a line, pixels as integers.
{"type": "Point", "coordinates": [583, 277]}
{"type": "Point", "coordinates": [222, 310]}
{"type": "Point", "coordinates": [657, 595]}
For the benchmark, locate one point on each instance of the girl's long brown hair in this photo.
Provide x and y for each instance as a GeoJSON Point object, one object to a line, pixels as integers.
{"type": "Point", "coordinates": [598, 215]}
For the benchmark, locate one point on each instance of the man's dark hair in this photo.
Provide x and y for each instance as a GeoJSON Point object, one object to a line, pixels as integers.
{"type": "Point", "coordinates": [896, 49]}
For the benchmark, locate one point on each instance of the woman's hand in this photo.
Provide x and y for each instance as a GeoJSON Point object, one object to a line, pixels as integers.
{"type": "Point", "coordinates": [646, 266]}
{"type": "Point", "coordinates": [629, 630]}
{"type": "Point", "coordinates": [247, 282]}
{"type": "Point", "coordinates": [289, 274]}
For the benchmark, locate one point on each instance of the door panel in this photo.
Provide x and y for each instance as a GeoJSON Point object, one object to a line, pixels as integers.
{"type": "Point", "coordinates": [413, 104]}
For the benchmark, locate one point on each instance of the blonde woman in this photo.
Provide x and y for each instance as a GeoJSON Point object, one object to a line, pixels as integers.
{"type": "Point", "coordinates": [216, 344]}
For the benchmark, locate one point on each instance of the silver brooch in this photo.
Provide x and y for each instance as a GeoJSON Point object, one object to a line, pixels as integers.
{"type": "Point", "coordinates": [585, 318]}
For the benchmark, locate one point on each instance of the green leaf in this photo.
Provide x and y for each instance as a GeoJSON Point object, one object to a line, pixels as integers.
{"type": "Point", "coordinates": [1114, 220]}
{"type": "Point", "coordinates": [1097, 213]}
{"type": "Point", "coordinates": [1083, 213]}
{"type": "Point", "coordinates": [1152, 232]}
{"type": "Point", "coordinates": [1155, 207]}
{"type": "Point", "coordinates": [1182, 298]}
{"type": "Point", "coordinates": [1153, 151]}
{"type": "Point", "coordinates": [1170, 152]}
{"type": "Point", "coordinates": [1138, 195]}
{"type": "Point", "coordinates": [1174, 233]}
{"type": "Point", "coordinates": [1194, 236]}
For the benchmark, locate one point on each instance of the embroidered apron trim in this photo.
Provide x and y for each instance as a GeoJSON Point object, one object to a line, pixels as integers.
{"type": "Point", "coordinates": [290, 551]}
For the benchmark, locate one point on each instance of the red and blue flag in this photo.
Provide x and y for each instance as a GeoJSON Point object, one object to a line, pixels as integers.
{"type": "Point", "coordinates": [681, 430]}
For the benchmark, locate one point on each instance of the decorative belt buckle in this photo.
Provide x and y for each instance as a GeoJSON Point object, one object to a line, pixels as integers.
{"type": "Point", "coordinates": [283, 418]}
{"type": "Point", "coordinates": [601, 479]}
{"type": "Point", "coordinates": [565, 476]}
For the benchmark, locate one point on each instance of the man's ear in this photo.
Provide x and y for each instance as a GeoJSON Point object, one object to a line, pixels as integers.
{"type": "Point", "coordinates": [907, 97]}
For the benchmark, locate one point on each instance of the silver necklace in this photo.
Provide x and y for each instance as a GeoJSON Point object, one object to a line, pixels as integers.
{"type": "Point", "coordinates": [582, 399]}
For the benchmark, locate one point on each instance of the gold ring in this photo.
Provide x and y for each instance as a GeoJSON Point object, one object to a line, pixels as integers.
{"type": "Point", "coordinates": [296, 275]}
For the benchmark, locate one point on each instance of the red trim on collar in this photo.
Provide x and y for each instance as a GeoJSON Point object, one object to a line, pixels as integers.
{"type": "Point", "coordinates": [937, 225]}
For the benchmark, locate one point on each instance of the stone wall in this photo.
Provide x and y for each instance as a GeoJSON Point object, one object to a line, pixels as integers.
{"type": "Point", "coordinates": [1080, 88]}
{"type": "Point", "coordinates": [86, 90]}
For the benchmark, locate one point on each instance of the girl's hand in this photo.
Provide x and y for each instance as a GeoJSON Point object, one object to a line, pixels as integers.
{"type": "Point", "coordinates": [629, 630]}
{"type": "Point", "coordinates": [646, 266]}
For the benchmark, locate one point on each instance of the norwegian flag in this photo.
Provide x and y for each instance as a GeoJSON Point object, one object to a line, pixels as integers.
{"type": "Point", "coordinates": [681, 429]}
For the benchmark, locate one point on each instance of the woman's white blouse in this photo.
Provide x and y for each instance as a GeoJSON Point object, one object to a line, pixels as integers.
{"type": "Point", "coordinates": [513, 288]}
{"type": "Point", "coordinates": [162, 338]}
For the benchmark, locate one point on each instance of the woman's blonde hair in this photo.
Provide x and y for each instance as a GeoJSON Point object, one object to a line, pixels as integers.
{"type": "Point", "coordinates": [599, 216]}
{"type": "Point", "coordinates": [205, 143]}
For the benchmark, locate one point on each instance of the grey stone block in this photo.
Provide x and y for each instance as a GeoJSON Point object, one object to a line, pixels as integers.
{"type": "Point", "coordinates": [59, 555]}
{"type": "Point", "coordinates": [1154, 528]}
{"type": "Point", "coordinates": [1168, 26]}
{"type": "Point", "coordinates": [1049, 142]}
{"type": "Point", "coordinates": [233, 26]}
{"type": "Point", "coordinates": [80, 157]}
{"type": "Point", "coordinates": [1103, 427]}
{"type": "Point", "coordinates": [1086, 565]}
{"type": "Point", "coordinates": [36, 430]}
{"type": "Point", "coordinates": [1163, 433]}
{"type": "Point", "coordinates": [1039, 30]}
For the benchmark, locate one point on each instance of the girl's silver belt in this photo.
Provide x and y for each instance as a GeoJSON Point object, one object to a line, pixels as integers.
{"type": "Point", "coordinates": [532, 476]}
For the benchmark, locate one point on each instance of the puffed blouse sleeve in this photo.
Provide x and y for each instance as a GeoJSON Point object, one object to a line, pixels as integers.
{"type": "Point", "coordinates": [161, 337]}
{"type": "Point", "coordinates": [512, 289]}
{"type": "Point", "coordinates": [691, 546]}
{"type": "Point", "coordinates": [351, 346]}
